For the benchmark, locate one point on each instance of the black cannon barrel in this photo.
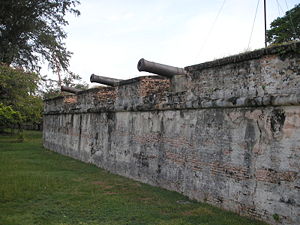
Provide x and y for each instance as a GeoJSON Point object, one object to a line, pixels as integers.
{"type": "Point", "coordinates": [159, 69]}
{"type": "Point", "coordinates": [69, 89]}
{"type": "Point", "coordinates": [105, 80]}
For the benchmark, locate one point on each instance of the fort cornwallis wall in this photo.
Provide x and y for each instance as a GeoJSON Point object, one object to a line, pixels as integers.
{"type": "Point", "coordinates": [228, 133]}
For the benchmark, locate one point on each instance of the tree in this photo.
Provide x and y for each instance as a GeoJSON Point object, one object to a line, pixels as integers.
{"type": "Point", "coordinates": [31, 31]}
{"type": "Point", "coordinates": [51, 88]}
{"type": "Point", "coordinates": [286, 28]}
{"type": "Point", "coordinates": [18, 90]}
{"type": "Point", "coordinates": [8, 117]}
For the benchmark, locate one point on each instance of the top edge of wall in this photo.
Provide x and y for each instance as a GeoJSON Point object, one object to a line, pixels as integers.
{"type": "Point", "coordinates": [280, 49]}
{"type": "Point", "coordinates": [90, 90]}
{"type": "Point", "coordinates": [58, 97]}
{"type": "Point", "coordinates": [137, 79]}
{"type": "Point", "coordinates": [106, 88]}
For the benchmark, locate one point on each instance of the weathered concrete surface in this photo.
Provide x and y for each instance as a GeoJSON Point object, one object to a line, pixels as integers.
{"type": "Point", "coordinates": [228, 133]}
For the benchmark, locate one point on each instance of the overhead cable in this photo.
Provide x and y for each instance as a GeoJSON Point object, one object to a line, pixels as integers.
{"type": "Point", "coordinates": [212, 27]}
{"type": "Point", "coordinates": [253, 24]}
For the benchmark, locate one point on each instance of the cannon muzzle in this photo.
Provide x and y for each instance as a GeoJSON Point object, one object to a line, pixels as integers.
{"type": "Point", "coordinates": [69, 89]}
{"type": "Point", "coordinates": [159, 69]}
{"type": "Point", "coordinates": [105, 80]}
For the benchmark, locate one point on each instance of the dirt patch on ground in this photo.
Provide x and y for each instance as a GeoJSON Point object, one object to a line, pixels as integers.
{"type": "Point", "coordinates": [110, 193]}
{"type": "Point", "coordinates": [102, 184]}
{"type": "Point", "coordinates": [198, 211]}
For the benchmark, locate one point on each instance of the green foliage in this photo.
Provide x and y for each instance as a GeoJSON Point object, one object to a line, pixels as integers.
{"type": "Point", "coordinates": [276, 217]}
{"type": "Point", "coordinates": [8, 116]}
{"type": "Point", "coordinates": [286, 28]}
{"type": "Point", "coordinates": [31, 31]}
{"type": "Point", "coordinates": [18, 90]}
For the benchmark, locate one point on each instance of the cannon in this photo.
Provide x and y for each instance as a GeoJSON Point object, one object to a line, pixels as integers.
{"type": "Point", "coordinates": [160, 69]}
{"type": "Point", "coordinates": [105, 80]}
{"type": "Point", "coordinates": [69, 89]}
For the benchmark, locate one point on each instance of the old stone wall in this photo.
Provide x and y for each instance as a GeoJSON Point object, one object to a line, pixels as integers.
{"type": "Point", "coordinates": [228, 133]}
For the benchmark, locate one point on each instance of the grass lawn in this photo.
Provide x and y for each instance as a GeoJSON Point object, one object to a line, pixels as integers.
{"type": "Point", "coordinates": [38, 186]}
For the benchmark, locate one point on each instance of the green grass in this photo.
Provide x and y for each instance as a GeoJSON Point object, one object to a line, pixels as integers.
{"type": "Point", "coordinates": [38, 186]}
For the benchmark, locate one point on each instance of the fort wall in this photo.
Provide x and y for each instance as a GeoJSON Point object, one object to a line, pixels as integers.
{"type": "Point", "coordinates": [227, 133]}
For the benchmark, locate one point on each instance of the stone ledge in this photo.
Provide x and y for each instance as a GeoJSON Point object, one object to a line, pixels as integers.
{"type": "Point", "coordinates": [243, 102]}
{"type": "Point", "coordinates": [138, 79]}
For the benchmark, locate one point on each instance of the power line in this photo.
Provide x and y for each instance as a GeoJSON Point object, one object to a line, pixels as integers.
{"type": "Point", "coordinates": [253, 24]}
{"type": "Point", "coordinates": [265, 19]}
{"type": "Point", "coordinates": [279, 8]}
{"type": "Point", "coordinates": [212, 27]}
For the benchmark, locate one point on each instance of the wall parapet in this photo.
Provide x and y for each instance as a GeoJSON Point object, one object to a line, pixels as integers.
{"type": "Point", "coordinates": [280, 50]}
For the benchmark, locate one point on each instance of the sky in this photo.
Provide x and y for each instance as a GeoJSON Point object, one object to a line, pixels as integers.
{"type": "Point", "coordinates": [110, 36]}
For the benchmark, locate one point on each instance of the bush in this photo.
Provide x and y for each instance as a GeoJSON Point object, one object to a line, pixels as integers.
{"type": "Point", "coordinates": [18, 90]}
{"type": "Point", "coordinates": [9, 117]}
